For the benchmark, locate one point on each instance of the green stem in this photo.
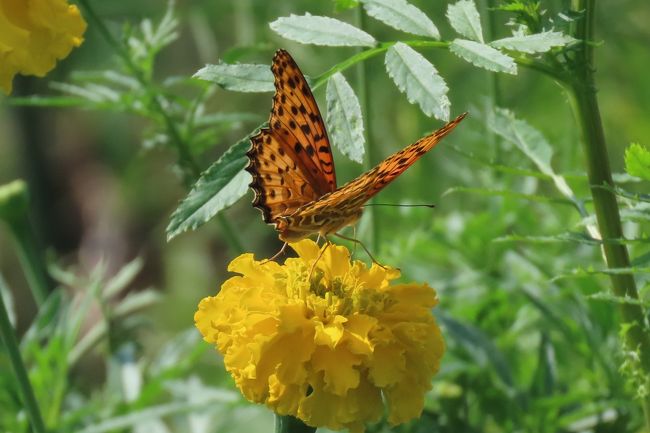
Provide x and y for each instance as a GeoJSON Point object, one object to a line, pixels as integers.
{"type": "Point", "coordinates": [31, 259]}
{"type": "Point", "coordinates": [187, 162]}
{"type": "Point", "coordinates": [289, 424]}
{"type": "Point", "coordinates": [11, 344]}
{"type": "Point", "coordinates": [582, 94]}
{"type": "Point", "coordinates": [370, 158]}
{"type": "Point", "coordinates": [14, 211]}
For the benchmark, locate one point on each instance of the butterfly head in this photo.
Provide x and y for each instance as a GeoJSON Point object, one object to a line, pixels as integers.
{"type": "Point", "coordinates": [285, 232]}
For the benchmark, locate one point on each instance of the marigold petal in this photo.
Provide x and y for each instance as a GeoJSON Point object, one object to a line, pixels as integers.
{"type": "Point", "coordinates": [358, 327]}
{"type": "Point", "coordinates": [338, 367]}
{"type": "Point", "coordinates": [388, 365]}
{"type": "Point", "coordinates": [306, 249]}
{"type": "Point", "coordinates": [34, 35]}
{"type": "Point", "coordinates": [331, 333]}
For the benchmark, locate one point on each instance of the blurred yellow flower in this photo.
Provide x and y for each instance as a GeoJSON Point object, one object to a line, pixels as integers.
{"type": "Point", "coordinates": [329, 351]}
{"type": "Point", "coordinates": [34, 34]}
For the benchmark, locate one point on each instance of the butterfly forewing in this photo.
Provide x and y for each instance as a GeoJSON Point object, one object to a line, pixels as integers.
{"type": "Point", "coordinates": [348, 200]}
{"type": "Point", "coordinates": [291, 160]}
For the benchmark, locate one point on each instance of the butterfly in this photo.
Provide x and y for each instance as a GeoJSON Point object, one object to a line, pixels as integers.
{"type": "Point", "coordinates": [291, 163]}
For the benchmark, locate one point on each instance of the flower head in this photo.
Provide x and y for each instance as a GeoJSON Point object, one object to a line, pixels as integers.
{"type": "Point", "coordinates": [329, 345]}
{"type": "Point", "coordinates": [35, 34]}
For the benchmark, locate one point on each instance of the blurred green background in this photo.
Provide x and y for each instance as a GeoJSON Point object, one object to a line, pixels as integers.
{"type": "Point", "coordinates": [100, 194]}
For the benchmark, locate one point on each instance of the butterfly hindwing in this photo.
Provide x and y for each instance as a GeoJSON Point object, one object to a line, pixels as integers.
{"type": "Point", "coordinates": [291, 160]}
{"type": "Point", "coordinates": [279, 186]}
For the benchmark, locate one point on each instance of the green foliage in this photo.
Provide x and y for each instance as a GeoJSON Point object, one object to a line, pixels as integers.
{"type": "Point", "coordinates": [637, 161]}
{"type": "Point", "coordinates": [219, 186]}
{"type": "Point", "coordinates": [309, 29]}
{"type": "Point", "coordinates": [402, 16]}
{"type": "Point", "coordinates": [419, 79]}
{"type": "Point", "coordinates": [344, 111]}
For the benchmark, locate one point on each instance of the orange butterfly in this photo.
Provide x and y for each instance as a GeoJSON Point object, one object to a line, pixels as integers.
{"type": "Point", "coordinates": [292, 167]}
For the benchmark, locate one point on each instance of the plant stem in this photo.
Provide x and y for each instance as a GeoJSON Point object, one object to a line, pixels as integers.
{"type": "Point", "coordinates": [289, 424]}
{"type": "Point", "coordinates": [187, 162]}
{"type": "Point", "coordinates": [370, 159]}
{"type": "Point", "coordinates": [582, 93]}
{"type": "Point", "coordinates": [11, 344]}
{"type": "Point", "coordinates": [14, 211]}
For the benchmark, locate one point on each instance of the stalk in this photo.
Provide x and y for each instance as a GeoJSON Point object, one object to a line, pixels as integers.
{"type": "Point", "coordinates": [582, 96]}
{"type": "Point", "coordinates": [11, 345]}
{"type": "Point", "coordinates": [14, 211]}
{"type": "Point", "coordinates": [289, 424]}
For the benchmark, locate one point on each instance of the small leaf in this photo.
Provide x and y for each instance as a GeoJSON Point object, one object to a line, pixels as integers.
{"type": "Point", "coordinates": [483, 56]}
{"type": "Point", "coordinates": [402, 16]}
{"type": "Point", "coordinates": [637, 161]}
{"type": "Point", "coordinates": [419, 79]}
{"type": "Point", "coordinates": [219, 186]}
{"type": "Point", "coordinates": [344, 118]}
{"type": "Point", "coordinates": [311, 29]}
{"type": "Point", "coordinates": [537, 43]}
{"type": "Point", "coordinates": [465, 19]}
{"type": "Point", "coordinates": [239, 77]}
{"type": "Point", "coordinates": [341, 5]}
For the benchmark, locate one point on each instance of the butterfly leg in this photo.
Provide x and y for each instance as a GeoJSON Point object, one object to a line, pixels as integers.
{"type": "Point", "coordinates": [313, 266]}
{"type": "Point", "coordinates": [276, 255]}
{"type": "Point", "coordinates": [357, 241]}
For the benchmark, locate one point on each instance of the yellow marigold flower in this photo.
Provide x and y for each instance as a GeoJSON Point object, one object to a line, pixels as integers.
{"type": "Point", "coordinates": [329, 350]}
{"type": "Point", "coordinates": [34, 34]}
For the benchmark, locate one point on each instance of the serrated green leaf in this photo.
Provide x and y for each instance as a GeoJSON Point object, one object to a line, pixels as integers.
{"type": "Point", "coordinates": [465, 19]}
{"type": "Point", "coordinates": [403, 16]}
{"type": "Point", "coordinates": [219, 186]}
{"type": "Point", "coordinates": [239, 77]}
{"type": "Point", "coordinates": [419, 79]}
{"type": "Point", "coordinates": [536, 43]}
{"type": "Point", "coordinates": [344, 118]}
{"type": "Point", "coordinates": [318, 30]}
{"type": "Point", "coordinates": [637, 161]}
{"type": "Point", "coordinates": [483, 56]}
{"type": "Point", "coordinates": [531, 142]}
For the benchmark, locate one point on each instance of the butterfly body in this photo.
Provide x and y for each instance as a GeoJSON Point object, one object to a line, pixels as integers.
{"type": "Point", "coordinates": [292, 167]}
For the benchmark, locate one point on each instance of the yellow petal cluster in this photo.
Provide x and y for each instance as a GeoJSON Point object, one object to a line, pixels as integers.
{"type": "Point", "coordinates": [329, 345]}
{"type": "Point", "coordinates": [34, 34]}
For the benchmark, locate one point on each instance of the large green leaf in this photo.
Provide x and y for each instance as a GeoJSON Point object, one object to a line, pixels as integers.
{"type": "Point", "coordinates": [464, 18]}
{"type": "Point", "coordinates": [344, 118]}
{"type": "Point", "coordinates": [419, 79]}
{"type": "Point", "coordinates": [483, 56]}
{"type": "Point", "coordinates": [239, 77]}
{"type": "Point", "coordinates": [311, 29]}
{"type": "Point", "coordinates": [219, 186]}
{"type": "Point", "coordinates": [536, 43]}
{"type": "Point", "coordinates": [403, 16]}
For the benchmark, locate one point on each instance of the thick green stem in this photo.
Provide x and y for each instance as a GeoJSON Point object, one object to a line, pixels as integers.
{"type": "Point", "coordinates": [11, 344]}
{"type": "Point", "coordinates": [582, 93]}
{"type": "Point", "coordinates": [14, 211]}
{"type": "Point", "coordinates": [289, 424]}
